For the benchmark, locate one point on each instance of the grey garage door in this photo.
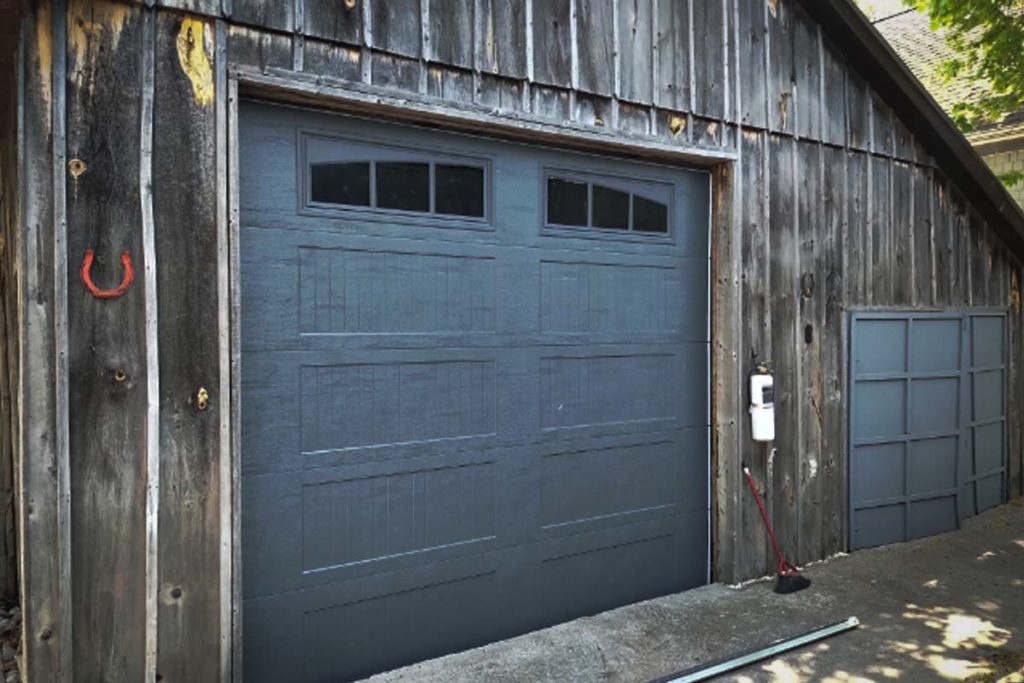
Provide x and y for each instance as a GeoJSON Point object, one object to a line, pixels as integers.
{"type": "Point", "coordinates": [928, 422]}
{"type": "Point", "coordinates": [474, 390]}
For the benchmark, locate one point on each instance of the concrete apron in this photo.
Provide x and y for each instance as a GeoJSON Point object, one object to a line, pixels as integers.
{"type": "Point", "coordinates": [949, 607]}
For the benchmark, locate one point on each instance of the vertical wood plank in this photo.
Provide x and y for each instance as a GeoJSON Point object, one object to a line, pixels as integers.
{"type": "Point", "coordinates": [596, 53]}
{"type": "Point", "coordinates": [784, 280]}
{"type": "Point", "coordinates": [279, 15]}
{"type": "Point", "coordinates": [834, 99]}
{"type": "Point", "coordinates": [901, 235]}
{"type": "Point", "coordinates": [810, 398]}
{"type": "Point", "coordinates": [941, 248]}
{"type": "Point", "coordinates": [106, 345]}
{"type": "Point", "coordinates": [396, 27]}
{"type": "Point", "coordinates": [780, 66]}
{"type": "Point", "coordinates": [923, 236]}
{"type": "Point", "coordinates": [673, 41]}
{"type": "Point", "coordinates": [10, 78]}
{"type": "Point", "coordinates": [151, 332]}
{"type": "Point", "coordinates": [858, 107]}
{"type": "Point", "coordinates": [880, 267]}
{"type": "Point", "coordinates": [635, 50]}
{"type": "Point", "coordinates": [726, 287]}
{"type": "Point", "coordinates": [882, 126]}
{"type": "Point", "coordinates": [41, 458]}
{"type": "Point", "coordinates": [858, 220]}
{"type": "Point", "coordinates": [751, 64]}
{"type": "Point", "coordinates": [450, 35]}
{"type": "Point", "coordinates": [709, 52]}
{"type": "Point", "coordinates": [962, 283]}
{"type": "Point", "coordinates": [184, 165]}
{"type": "Point", "coordinates": [502, 43]}
{"type": "Point", "coordinates": [808, 70]}
{"type": "Point", "coordinates": [333, 20]}
{"type": "Point", "coordinates": [755, 343]}
{"type": "Point", "coordinates": [979, 271]}
{"type": "Point", "coordinates": [551, 42]}
{"type": "Point", "coordinates": [833, 443]}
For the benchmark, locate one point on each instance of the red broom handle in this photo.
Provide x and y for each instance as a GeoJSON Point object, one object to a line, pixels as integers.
{"type": "Point", "coordinates": [784, 567]}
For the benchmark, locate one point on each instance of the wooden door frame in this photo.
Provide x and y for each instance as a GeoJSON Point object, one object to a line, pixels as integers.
{"type": "Point", "coordinates": [300, 90]}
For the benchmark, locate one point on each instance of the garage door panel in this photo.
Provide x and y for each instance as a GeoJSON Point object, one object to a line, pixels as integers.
{"type": "Point", "coordinates": [348, 630]}
{"type": "Point", "coordinates": [456, 432]}
{"type": "Point", "coordinates": [587, 573]}
{"type": "Point", "coordinates": [332, 292]}
{"type": "Point", "coordinates": [878, 526]}
{"type": "Point", "coordinates": [988, 395]}
{"type": "Point", "coordinates": [934, 405]}
{"type": "Point", "coordinates": [880, 472]}
{"type": "Point", "coordinates": [988, 341]}
{"type": "Point", "coordinates": [990, 492]}
{"type": "Point", "coordinates": [930, 517]}
{"type": "Point", "coordinates": [341, 524]}
{"type": "Point", "coordinates": [366, 405]}
{"type": "Point", "coordinates": [947, 369]}
{"type": "Point", "coordinates": [988, 447]}
{"type": "Point", "coordinates": [932, 465]}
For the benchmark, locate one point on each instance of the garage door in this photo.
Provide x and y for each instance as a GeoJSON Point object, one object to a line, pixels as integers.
{"type": "Point", "coordinates": [474, 390]}
{"type": "Point", "coordinates": [928, 416]}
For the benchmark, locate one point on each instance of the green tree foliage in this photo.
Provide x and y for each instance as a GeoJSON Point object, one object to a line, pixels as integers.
{"type": "Point", "coordinates": [988, 38]}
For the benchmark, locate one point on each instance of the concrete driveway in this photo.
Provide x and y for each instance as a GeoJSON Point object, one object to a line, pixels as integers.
{"type": "Point", "coordinates": [949, 607]}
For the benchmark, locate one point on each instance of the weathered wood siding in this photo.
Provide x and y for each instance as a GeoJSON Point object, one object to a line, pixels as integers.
{"type": "Point", "coordinates": [828, 203]}
{"type": "Point", "coordinates": [9, 337]}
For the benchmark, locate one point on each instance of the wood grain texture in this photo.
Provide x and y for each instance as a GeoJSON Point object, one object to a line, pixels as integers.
{"type": "Point", "coordinates": [781, 64]}
{"type": "Point", "coordinates": [106, 345]}
{"type": "Point", "coordinates": [449, 36]}
{"type": "Point", "coordinates": [595, 52]}
{"type": "Point", "coordinates": [44, 595]}
{"type": "Point", "coordinates": [900, 258]}
{"type": "Point", "coordinates": [184, 165]}
{"type": "Point", "coordinates": [784, 279]}
{"type": "Point", "coordinates": [728, 375]}
{"type": "Point", "coordinates": [810, 394]}
{"type": "Point", "coordinates": [710, 77]}
{"type": "Point", "coordinates": [333, 20]}
{"type": "Point", "coordinates": [751, 54]}
{"type": "Point", "coordinates": [635, 54]}
{"type": "Point", "coordinates": [501, 38]}
{"type": "Point", "coordinates": [807, 63]}
{"type": "Point", "coordinates": [9, 315]}
{"type": "Point", "coordinates": [755, 344]}
{"type": "Point", "coordinates": [278, 15]}
{"type": "Point", "coordinates": [396, 26]}
{"type": "Point", "coordinates": [833, 97]}
{"type": "Point", "coordinates": [830, 337]}
{"type": "Point", "coordinates": [552, 50]}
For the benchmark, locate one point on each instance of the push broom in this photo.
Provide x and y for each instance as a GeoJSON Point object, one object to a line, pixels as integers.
{"type": "Point", "coordinates": [790, 580]}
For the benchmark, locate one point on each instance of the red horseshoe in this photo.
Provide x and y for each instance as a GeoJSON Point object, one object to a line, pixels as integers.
{"type": "Point", "coordinates": [126, 282]}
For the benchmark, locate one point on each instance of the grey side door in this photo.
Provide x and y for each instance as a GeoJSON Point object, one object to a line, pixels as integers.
{"type": "Point", "coordinates": [927, 422]}
{"type": "Point", "coordinates": [474, 390]}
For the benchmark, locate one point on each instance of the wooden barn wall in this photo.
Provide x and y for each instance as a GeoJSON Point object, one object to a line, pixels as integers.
{"type": "Point", "coordinates": [830, 204]}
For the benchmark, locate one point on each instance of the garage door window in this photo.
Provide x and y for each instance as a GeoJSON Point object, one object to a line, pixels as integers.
{"type": "Point", "coordinates": [350, 175]}
{"type": "Point", "coordinates": [620, 205]}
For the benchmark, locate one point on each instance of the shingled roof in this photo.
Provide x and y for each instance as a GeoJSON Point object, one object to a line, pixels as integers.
{"type": "Point", "coordinates": [923, 50]}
